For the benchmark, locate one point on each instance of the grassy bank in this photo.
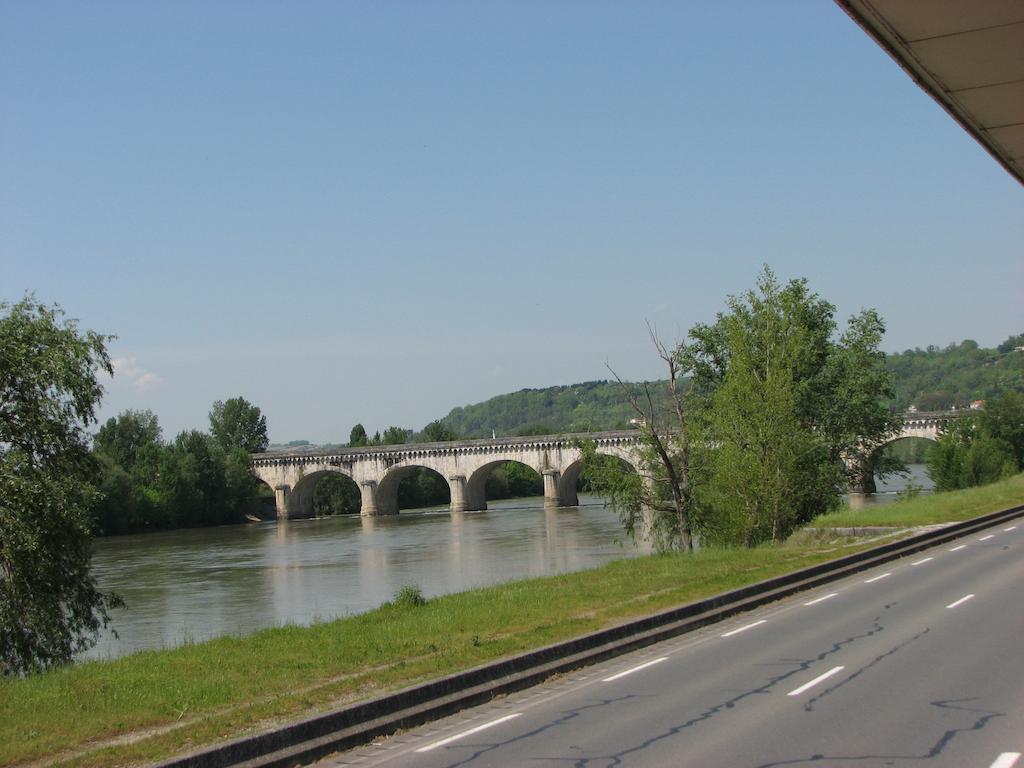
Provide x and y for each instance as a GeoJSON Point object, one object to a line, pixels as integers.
{"type": "Point", "coordinates": [153, 704]}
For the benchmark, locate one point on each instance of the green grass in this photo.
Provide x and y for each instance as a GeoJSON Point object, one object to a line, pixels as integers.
{"type": "Point", "coordinates": [932, 508]}
{"type": "Point", "coordinates": [151, 705]}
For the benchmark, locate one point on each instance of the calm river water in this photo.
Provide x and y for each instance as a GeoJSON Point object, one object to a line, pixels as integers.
{"type": "Point", "coordinates": [191, 585]}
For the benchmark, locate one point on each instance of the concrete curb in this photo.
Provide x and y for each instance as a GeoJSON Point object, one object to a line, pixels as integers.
{"type": "Point", "coordinates": [350, 726]}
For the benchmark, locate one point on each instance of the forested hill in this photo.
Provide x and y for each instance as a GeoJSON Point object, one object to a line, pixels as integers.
{"type": "Point", "coordinates": [587, 407]}
{"type": "Point", "coordinates": [931, 379]}
{"type": "Point", "coordinates": [936, 379]}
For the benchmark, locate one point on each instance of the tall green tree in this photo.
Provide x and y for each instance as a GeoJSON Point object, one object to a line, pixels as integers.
{"type": "Point", "coordinates": [786, 402]}
{"type": "Point", "coordinates": [395, 436]}
{"type": "Point", "coordinates": [237, 423]}
{"type": "Point", "coordinates": [437, 432]}
{"type": "Point", "coordinates": [50, 606]}
{"type": "Point", "coordinates": [127, 436]}
{"type": "Point", "coordinates": [358, 438]}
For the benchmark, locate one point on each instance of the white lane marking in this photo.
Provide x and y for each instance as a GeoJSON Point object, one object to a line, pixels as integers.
{"type": "Point", "coordinates": [1006, 760]}
{"type": "Point", "coordinates": [878, 578]}
{"type": "Point", "coordinates": [822, 599]}
{"type": "Point", "coordinates": [1007, 530]}
{"type": "Point", "coordinates": [744, 629]}
{"type": "Point", "coordinates": [470, 732]}
{"type": "Point", "coordinates": [955, 549]}
{"type": "Point", "coordinates": [645, 665]}
{"type": "Point", "coordinates": [815, 681]}
{"type": "Point", "coordinates": [986, 538]}
{"type": "Point", "coordinates": [921, 562]}
{"type": "Point", "coordinates": [958, 602]}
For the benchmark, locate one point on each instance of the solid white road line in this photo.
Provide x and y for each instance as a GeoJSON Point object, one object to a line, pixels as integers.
{"type": "Point", "coordinates": [470, 732]}
{"type": "Point", "coordinates": [744, 629]}
{"type": "Point", "coordinates": [986, 538]}
{"type": "Point", "coordinates": [822, 599]}
{"type": "Point", "coordinates": [956, 549]}
{"type": "Point", "coordinates": [878, 578]}
{"type": "Point", "coordinates": [634, 669]}
{"type": "Point", "coordinates": [815, 681]}
{"type": "Point", "coordinates": [1006, 760]}
{"type": "Point", "coordinates": [958, 602]}
{"type": "Point", "coordinates": [922, 562]}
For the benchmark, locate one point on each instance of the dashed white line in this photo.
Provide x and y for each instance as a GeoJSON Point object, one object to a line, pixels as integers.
{"type": "Point", "coordinates": [822, 599]}
{"type": "Point", "coordinates": [634, 669]}
{"type": "Point", "coordinates": [470, 732]}
{"type": "Point", "coordinates": [815, 681]}
{"type": "Point", "coordinates": [877, 578]}
{"type": "Point", "coordinates": [744, 628]}
{"type": "Point", "coordinates": [960, 601]}
{"type": "Point", "coordinates": [1006, 760]}
{"type": "Point", "coordinates": [1011, 528]}
{"type": "Point", "coordinates": [922, 562]}
{"type": "Point", "coordinates": [986, 538]}
{"type": "Point", "coordinates": [956, 549]}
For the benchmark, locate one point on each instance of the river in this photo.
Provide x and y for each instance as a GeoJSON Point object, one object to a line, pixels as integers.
{"type": "Point", "coordinates": [192, 585]}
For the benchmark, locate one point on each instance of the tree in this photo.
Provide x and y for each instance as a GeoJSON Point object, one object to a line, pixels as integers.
{"type": "Point", "coordinates": [50, 606]}
{"type": "Point", "coordinates": [238, 424]}
{"type": "Point", "coordinates": [395, 436]}
{"type": "Point", "coordinates": [659, 502]}
{"type": "Point", "coordinates": [1003, 418]}
{"type": "Point", "coordinates": [125, 436]}
{"type": "Point", "coordinates": [357, 437]}
{"type": "Point", "coordinates": [786, 401]}
{"type": "Point", "coordinates": [979, 448]}
{"type": "Point", "coordinates": [437, 432]}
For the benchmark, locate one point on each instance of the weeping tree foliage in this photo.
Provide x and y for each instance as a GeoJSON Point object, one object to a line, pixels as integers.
{"type": "Point", "coordinates": [658, 501]}
{"type": "Point", "coordinates": [50, 607]}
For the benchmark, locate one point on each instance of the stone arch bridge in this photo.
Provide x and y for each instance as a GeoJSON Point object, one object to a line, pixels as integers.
{"type": "Point", "coordinates": [465, 465]}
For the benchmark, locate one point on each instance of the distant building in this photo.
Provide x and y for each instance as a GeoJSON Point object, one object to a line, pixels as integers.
{"type": "Point", "coordinates": [912, 409]}
{"type": "Point", "coordinates": [977, 405]}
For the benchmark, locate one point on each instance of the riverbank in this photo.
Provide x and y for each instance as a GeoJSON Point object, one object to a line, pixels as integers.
{"type": "Point", "coordinates": [153, 704]}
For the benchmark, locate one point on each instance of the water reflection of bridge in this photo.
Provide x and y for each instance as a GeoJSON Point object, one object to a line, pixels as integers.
{"type": "Point", "coordinates": [466, 465]}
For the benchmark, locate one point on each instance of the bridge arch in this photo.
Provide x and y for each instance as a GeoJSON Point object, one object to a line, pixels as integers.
{"type": "Point", "coordinates": [300, 497]}
{"type": "Point", "coordinates": [388, 489]}
{"type": "Point", "coordinates": [476, 483]}
{"type": "Point", "coordinates": [568, 483]}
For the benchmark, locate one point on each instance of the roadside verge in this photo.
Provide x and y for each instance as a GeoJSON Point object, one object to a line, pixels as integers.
{"type": "Point", "coordinates": [343, 728]}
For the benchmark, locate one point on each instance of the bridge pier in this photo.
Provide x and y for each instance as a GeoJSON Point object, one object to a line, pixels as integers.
{"type": "Point", "coordinates": [281, 494]}
{"type": "Point", "coordinates": [457, 488]}
{"type": "Point", "coordinates": [368, 496]}
{"type": "Point", "coordinates": [551, 496]}
{"type": "Point", "coordinates": [861, 475]}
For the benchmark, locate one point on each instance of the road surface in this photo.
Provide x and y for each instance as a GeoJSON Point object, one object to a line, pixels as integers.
{"type": "Point", "coordinates": [917, 663]}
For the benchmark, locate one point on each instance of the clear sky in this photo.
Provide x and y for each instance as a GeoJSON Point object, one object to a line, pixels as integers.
{"type": "Point", "coordinates": [374, 212]}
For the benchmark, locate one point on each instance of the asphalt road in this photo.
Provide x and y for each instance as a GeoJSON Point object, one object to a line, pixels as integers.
{"type": "Point", "coordinates": [917, 663]}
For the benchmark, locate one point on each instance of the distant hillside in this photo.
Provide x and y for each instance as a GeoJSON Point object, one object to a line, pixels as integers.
{"type": "Point", "coordinates": [587, 407]}
{"type": "Point", "coordinates": [931, 379]}
{"type": "Point", "coordinates": [936, 379]}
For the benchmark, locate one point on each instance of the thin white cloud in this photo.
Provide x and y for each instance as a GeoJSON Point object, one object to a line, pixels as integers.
{"type": "Point", "coordinates": [127, 368]}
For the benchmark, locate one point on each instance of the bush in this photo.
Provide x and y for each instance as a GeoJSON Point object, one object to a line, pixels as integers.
{"type": "Point", "coordinates": [409, 596]}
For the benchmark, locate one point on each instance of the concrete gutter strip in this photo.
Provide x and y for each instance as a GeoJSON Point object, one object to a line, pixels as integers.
{"type": "Point", "coordinates": [356, 724]}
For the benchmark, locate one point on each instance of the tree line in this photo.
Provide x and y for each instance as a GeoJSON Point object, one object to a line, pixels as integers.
{"type": "Point", "coordinates": [197, 479]}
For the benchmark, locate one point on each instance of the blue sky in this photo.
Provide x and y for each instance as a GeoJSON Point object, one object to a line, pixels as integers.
{"type": "Point", "coordinates": [374, 212]}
